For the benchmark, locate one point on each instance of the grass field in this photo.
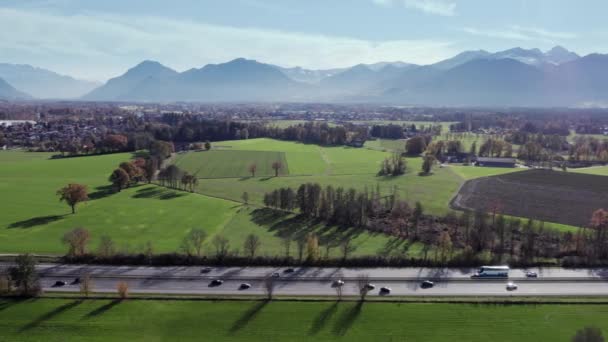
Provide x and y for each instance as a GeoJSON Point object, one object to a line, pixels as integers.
{"type": "Point", "coordinates": [33, 219]}
{"type": "Point", "coordinates": [169, 320]}
{"type": "Point", "coordinates": [390, 145]}
{"type": "Point", "coordinates": [231, 163]}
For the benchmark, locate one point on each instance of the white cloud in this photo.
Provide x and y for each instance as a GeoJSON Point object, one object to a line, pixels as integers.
{"type": "Point", "coordinates": [439, 7]}
{"type": "Point", "coordinates": [98, 46]}
{"type": "Point", "coordinates": [522, 34]}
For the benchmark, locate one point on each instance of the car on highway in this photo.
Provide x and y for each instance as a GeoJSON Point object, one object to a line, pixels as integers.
{"type": "Point", "coordinates": [427, 284]}
{"type": "Point", "coordinates": [511, 286]}
{"type": "Point", "coordinates": [206, 270]}
{"type": "Point", "coordinates": [385, 290]}
{"type": "Point", "coordinates": [289, 270]}
{"type": "Point", "coordinates": [60, 283]}
{"type": "Point", "coordinates": [337, 283]}
{"type": "Point", "coordinates": [76, 281]}
{"type": "Point", "coordinates": [244, 286]}
{"type": "Point", "coordinates": [216, 282]}
{"type": "Point", "coordinates": [276, 275]}
{"type": "Point", "coordinates": [531, 274]}
{"type": "Point", "coordinates": [370, 287]}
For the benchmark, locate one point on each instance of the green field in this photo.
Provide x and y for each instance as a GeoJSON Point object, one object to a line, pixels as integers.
{"type": "Point", "coordinates": [171, 320]}
{"type": "Point", "coordinates": [390, 145]}
{"type": "Point", "coordinates": [231, 163]}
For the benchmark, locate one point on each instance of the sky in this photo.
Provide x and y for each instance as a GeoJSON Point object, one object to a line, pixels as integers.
{"type": "Point", "coordinates": [97, 40]}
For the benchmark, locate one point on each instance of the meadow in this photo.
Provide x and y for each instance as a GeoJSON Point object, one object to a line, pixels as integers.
{"type": "Point", "coordinates": [231, 164]}
{"type": "Point", "coordinates": [179, 320]}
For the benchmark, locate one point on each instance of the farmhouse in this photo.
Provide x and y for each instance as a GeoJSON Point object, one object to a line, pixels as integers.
{"type": "Point", "coordinates": [495, 162]}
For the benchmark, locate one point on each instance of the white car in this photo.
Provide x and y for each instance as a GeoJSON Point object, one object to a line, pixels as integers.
{"type": "Point", "coordinates": [511, 286]}
{"type": "Point", "coordinates": [337, 283]}
{"type": "Point", "coordinates": [531, 274]}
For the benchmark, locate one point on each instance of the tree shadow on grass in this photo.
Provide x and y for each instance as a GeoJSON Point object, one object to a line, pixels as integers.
{"type": "Point", "coordinates": [347, 319]}
{"type": "Point", "coordinates": [49, 315]}
{"type": "Point", "coordinates": [158, 193]}
{"type": "Point", "coordinates": [101, 192]}
{"type": "Point", "coordinates": [266, 216]}
{"type": "Point", "coordinates": [102, 309]}
{"type": "Point", "coordinates": [36, 221]}
{"type": "Point", "coordinates": [248, 316]}
{"type": "Point", "coordinates": [321, 320]}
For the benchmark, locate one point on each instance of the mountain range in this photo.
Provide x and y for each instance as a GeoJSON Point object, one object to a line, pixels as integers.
{"type": "Point", "coordinates": [514, 77]}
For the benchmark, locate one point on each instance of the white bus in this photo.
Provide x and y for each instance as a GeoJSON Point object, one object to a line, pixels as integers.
{"type": "Point", "coordinates": [492, 272]}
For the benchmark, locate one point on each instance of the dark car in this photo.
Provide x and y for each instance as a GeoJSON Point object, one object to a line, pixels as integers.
{"type": "Point", "coordinates": [75, 281]}
{"type": "Point", "coordinates": [385, 290]}
{"type": "Point", "coordinates": [206, 270]}
{"type": "Point", "coordinates": [244, 286]}
{"type": "Point", "coordinates": [370, 287]}
{"type": "Point", "coordinates": [216, 282]}
{"type": "Point", "coordinates": [289, 270]}
{"type": "Point", "coordinates": [427, 284]}
{"type": "Point", "coordinates": [60, 283]}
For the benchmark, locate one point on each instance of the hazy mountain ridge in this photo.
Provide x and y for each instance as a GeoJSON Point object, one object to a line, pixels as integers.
{"type": "Point", "coordinates": [43, 83]}
{"type": "Point", "coordinates": [8, 92]}
{"type": "Point", "coordinates": [511, 77]}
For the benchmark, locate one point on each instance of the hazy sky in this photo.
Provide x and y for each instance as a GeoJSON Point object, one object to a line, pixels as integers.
{"type": "Point", "coordinates": [99, 39]}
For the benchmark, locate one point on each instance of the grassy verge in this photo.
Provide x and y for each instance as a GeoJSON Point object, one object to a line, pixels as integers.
{"type": "Point", "coordinates": [159, 320]}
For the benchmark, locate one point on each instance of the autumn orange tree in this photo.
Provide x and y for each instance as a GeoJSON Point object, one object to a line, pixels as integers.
{"type": "Point", "coordinates": [73, 194]}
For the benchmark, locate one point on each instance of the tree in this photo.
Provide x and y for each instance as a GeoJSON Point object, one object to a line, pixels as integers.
{"type": "Point", "coordinates": [251, 245]}
{"type": "Point", "coordinates": [312, 247]}
{"type": "Point", "coordinates": [269, 286]}
{"type": "Point", "coordinates": [277, 166]}
{"type": "Point", "coordinates": [286, 241]}
{"type": "Point", "coordinates": [253, 167]}
{"type": "Point", "coordinates": [588, 334]}
{"type": "Point", "coordinates": [86, 285]}
{"type": "Point", "coordinates": [347, 247]}
{"type": "Point", "coordinates": [77, 240]}
{"type": "Point", "coordinates": [245, 197]}
{"type": "Point", "coordinates": [416, 216]}
{"type": "Point", "coordinates": [120, 179]}
{"type": "Point", "coordinates": [207, 145]}
{"type": "Point", "coordinates": [415, 145]}
{"type": "Point", "coordinates": [197, 237]}
{"type": "Point", "coordinates": [123, 289]}
{"type": "Point", "coordinates": [106, 246]}
{"type": "Point", "coordinates": [363, 285]}
{"type": "Point", "coordinates": [221, 245]}
{"type": "Point", "coordinates": [24, 275]}
{"type": "Point", "coordinates": [73, 194]}
{"type": "Point", "coordinates": [150, 168]}
{"type": "Point", "coordinates": [427, 164]}
{"type": "Point", "coordinates": [445, 245]}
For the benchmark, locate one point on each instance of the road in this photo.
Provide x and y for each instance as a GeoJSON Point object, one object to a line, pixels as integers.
{"type": "Point", "coordinates": [318, 281]}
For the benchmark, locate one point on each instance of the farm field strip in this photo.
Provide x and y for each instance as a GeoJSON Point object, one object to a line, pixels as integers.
{"type": "Point", "coordinates": [231, 163]}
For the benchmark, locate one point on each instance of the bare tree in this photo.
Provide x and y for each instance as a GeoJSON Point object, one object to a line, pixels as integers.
{"type": "Point", "coordinates": [269, 286]}
{"type": "Point", "coordinates": [276, 166]}
{"type": "Point", "coordinates": [123, 289]}
{"type": "Point", "coordinates": [286, 241]}
{"type": "Point", "coordinates": [222, 246]}
{"type": "Point", "coordinates": [197, 237]}
{"type": "Point", "coordinates": [301, 243]}
{"type": "Point", "coordinates": [252, 169]}
{"type": "Point", "coordinates": [77, 240]}
{"type": "Point", "coordinates": [346, 248]}
{"type": "Point", "coordinates": [362, 285]}
{"type": "Point", "coordinates": [245, 197]}
{"type": "Point", "coordinates": [251, 245]}
{"type": "Point", "coordinates": [106, 246]}
{"type": "Point", "coordinates": [86, 285]}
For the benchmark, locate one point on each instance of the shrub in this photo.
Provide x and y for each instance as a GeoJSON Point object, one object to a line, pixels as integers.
{"type": "Point", "coordinates": [123, 289]}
